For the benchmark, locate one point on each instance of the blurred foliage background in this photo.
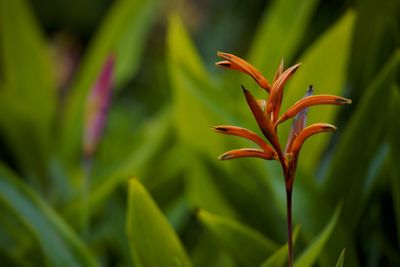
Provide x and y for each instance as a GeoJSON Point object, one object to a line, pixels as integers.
{"type": "Point", "coordinates": [63, 204]}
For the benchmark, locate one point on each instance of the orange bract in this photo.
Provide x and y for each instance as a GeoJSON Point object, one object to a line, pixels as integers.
{"type": "Point", "coordinates": [247, 152]}
{"type": "Point", "coordinates": [309, 131]}
{"type": "Point", "coordinates": [313, 101]}
{"type": "Point", "coordinates": [279, 71]}
{"type": "Point", "coordinates": [236, 63]}
{"type": "Point", "coordinates": [276, 93]}
{"type": "Point", "coordinates": [242, 132]}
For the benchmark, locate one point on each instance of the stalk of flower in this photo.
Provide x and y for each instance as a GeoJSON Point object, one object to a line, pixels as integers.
{"type": "Point", "coordinates": [266, 113]}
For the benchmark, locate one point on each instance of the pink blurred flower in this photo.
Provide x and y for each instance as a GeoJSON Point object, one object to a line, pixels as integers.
{"type": "Point", "coordinates": [98, 103]}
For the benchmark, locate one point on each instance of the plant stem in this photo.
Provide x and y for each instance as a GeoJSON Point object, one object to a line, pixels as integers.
{"type": "Point", "coordinates": [87, 168]}
{"type": "Point", "coordinates": [289, 226]}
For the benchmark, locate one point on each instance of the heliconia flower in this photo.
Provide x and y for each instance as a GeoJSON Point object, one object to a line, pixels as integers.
{"type": "Point", "coordinates": [236, 63]}
{"type": "Point", "coordinates": [266, 114]}
{"type": "Point", "coordinates": [97, 107]}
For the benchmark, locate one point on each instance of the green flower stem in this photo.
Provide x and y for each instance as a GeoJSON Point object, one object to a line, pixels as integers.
{"type": "Point", "coordinates": [85, 219]}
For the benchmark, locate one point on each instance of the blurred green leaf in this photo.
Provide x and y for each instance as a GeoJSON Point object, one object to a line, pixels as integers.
{"type": "Point", "coordinates": [310, 255]}
{"type": "Point", "coordinates": [324, 66]}
{"type": "Point", "coordinates": [280, 257]}
{"type": "Point", "coordinates": [341, 259]}
{"type": "Point", "coordinates": [247, 183]}
{"type": "Point", "coordinates": [129, 49]}
{"type": "Point", "coordinates": [207, 253]}
{"type": "Point", "coordinates": [122, 34]}
{"type": "Point", "coordinates": [194, 108]}
{"type": "Point", "coordinates": [25, 59]}
{"type": "Point", "coordinates": [153, 242]}
{"type": "Point", "coordinates": [58, 242]}
{"type": "Point", "coordinates": [376, 36]}
{"type": "Point", "coordinates": [356, 149]}
{"type": "Point", "coordinates": [394, 142]}
{"type": "Point", "coordinates": [121, 135]}
{"type": "Point", "coordinates": [153, 135]}
{"type": "Point", "coordinates": [28, 93]}
{"type": "Point", "coordinates": [10, 260]}
{"type": "Point", "coordinates": [194, 112]}
{"type": "Point", "coordinates": [181, 50]}
{"type": "Point", "coordinates": [108, 230]}
{"type": "Point", "coordinates": [202, 191]}
{"type": "Point", "coordinates": [277, 36]}
{"type": "Point", "coordinates": [312, 213]}
{"type": "Point", "coordinates": [15, 120]}
{"type": "Point", "coordinates": [248, 246]}
{"type": "Point", "coordinates": [14, 242]}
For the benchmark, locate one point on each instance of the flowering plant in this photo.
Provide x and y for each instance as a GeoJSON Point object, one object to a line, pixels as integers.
{"type": "Point", "coordinates": [266, 112]}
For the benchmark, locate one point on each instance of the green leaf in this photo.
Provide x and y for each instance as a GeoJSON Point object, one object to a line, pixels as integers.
{"type": "Point", "coordinates": [341, 259]}
{"type": "Point", "coordinates": [245, 183]}
{"type": "Point", "coordinates": [206, 253]}
{"type": "Point", "coordinates": [248, 246]}
{"type": "Point", "coordinates": [122, 34]}
{"type": "Point", "coordinates": [310, 255]}
{"type": "Point", "coordinates": [356, 149]}
{"type": "Point", "coordinates": [25, 58]}
{"type": "Point", "coordinates": [324, 66]}
{"type": "Point", "coordinates": [369, 55]}
{"type": "Point", "coordinates": [277, 36]}
{"type": "Point", "coordinates": [130, 47]}
{"type": "Point", "coordinates": [28, 91]}
{"type": "Point", "coordinates": [203, 192]}
{"type": "Point", "coordinates": [394, 141]}
{"type": "Point", "coordinates": [58, 242]}
{"type": "Point", "coordinates": [194, 108]}
{"type": "Point", "coordinates": [280, 257]}
{"type": "Point", "coordinates": [152, 240]}
{"type": "Point", "coordinates": [181, 49]}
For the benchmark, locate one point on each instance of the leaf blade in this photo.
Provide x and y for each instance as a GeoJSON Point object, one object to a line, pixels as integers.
{"type": "Point", "coordinates": [310, 255]}
{"type": "Point", "coordinates": [193, 92]}
{"type": "Point", "coordinates": [59, 243]}
{"type": "Point", "coordinates": [341, 259]}
{"type": "Point", "coordinates": [152, 240]}
{"type": "Point", "coordinates": [363, 146]}
{"type": "Point", "coordinates": [277, 37]}
{"type": "Point", "coordinates": [280, 257]}
{"type": "Point", "coordinates": [246, 245]}
{"type": "Point", "coordinates": [28, 96]}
